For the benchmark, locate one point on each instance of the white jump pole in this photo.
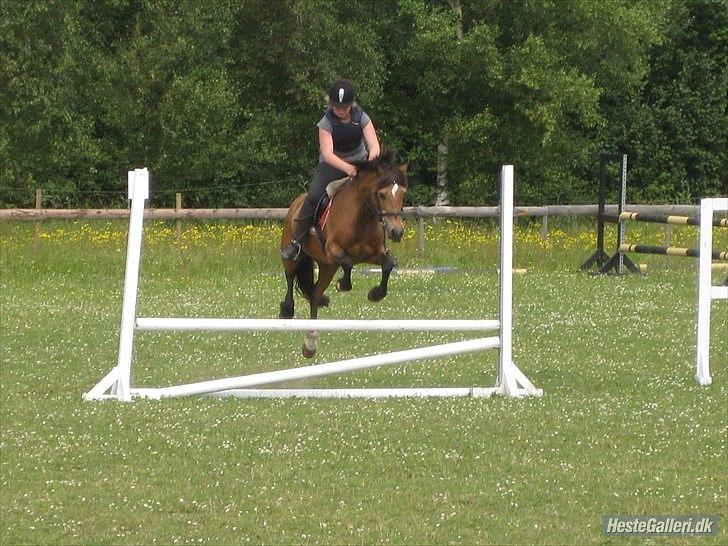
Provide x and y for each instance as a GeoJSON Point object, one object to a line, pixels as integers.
{"type": "Point", "coordinates": [706, 291]}
{"type": "Point", "coordinates": [305, 325]}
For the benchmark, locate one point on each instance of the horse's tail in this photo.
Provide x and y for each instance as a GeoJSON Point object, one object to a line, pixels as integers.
{"type": "Point", "coordinates": [304, 276]}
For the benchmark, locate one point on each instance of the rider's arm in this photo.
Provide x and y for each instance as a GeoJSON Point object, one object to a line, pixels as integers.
{"type": "Point", "coordinates": [370, 136]}
{"type": "Point", "coordinates": [326, 148]}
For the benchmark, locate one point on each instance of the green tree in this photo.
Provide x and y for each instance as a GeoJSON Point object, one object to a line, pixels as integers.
{"type": "Point", "coordinates": [47, 125]}
{"type": "Point", "coordinates": [677, 133]}
{"type": "Point", "coordinates": [525, 82]}
{"type": "Point", "coordinates": [220, 99]}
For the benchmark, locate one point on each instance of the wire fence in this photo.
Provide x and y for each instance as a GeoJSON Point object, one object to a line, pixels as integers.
{"type": "Point", "coordinates": [241, 194]}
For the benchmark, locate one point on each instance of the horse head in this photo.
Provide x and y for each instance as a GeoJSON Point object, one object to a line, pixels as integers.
{"type": "Point", "coordinates": [389, 185]}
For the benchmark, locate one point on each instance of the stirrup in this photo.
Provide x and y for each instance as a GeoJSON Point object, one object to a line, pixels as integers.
{"type": "Point", "coordinates": [292, 251]}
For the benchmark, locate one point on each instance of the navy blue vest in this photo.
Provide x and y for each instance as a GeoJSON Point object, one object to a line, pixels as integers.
{"type": "Point", "coordinates": [347, 136]}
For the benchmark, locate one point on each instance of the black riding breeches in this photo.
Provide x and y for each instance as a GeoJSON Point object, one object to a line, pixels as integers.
{"type": "Point", "coordinates": [322, 177]}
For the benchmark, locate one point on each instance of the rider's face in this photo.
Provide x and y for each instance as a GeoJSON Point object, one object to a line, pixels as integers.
{"type": "Point", "coordinates": [342, 112]}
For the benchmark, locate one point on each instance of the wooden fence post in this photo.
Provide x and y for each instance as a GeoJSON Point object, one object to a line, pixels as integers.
{"type": "Point", "coordinates": [421, 236]}
{"type": "Point", "coordinates": [545, 227]}
{"type": "Point", "coordinates": [38, 206]}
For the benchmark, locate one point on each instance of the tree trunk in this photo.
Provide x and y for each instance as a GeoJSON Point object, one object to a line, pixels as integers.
{"type": "Point", "coordinates": [442, 198]}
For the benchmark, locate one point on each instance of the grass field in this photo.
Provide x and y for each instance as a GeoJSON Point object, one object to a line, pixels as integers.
{"type": "Point", "coordinates": [623, 427]}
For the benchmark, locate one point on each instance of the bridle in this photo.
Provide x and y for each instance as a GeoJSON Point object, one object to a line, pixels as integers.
{"type": "Point", "coordinates": [375, 210]}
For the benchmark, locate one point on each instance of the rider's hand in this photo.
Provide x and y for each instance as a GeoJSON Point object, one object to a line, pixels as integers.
{"type": "Point", "coordinates": [373, 153]}
{"type": "Point", "coordinates": [351, 171]}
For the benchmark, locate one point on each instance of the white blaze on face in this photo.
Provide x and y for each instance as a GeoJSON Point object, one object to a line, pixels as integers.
{"type": "Point", "coordinates": [395, 187]}
{"type": "Point", "coordinates": [341, 94]}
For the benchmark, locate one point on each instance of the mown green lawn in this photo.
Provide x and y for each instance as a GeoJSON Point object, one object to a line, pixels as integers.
{"type": "Point", "coordinates": [622, 428]}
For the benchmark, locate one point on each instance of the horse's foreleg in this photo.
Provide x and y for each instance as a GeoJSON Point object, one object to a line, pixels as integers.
{"type": "Point", "coordinates": [344, 282]}
{"type": "Point", "coordinates": [340, 256]}
{"type": "Point", "coordinates": [388, 263]}
{"type": "Point", "coordinates": [287, 305]}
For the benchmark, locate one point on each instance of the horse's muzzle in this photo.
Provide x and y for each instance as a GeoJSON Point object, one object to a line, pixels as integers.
{"type": "Point", "coordinates": [395, 234]}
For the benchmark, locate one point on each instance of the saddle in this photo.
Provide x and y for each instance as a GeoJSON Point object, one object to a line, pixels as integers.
{"type": "Point", "coordinates": [324, 205]}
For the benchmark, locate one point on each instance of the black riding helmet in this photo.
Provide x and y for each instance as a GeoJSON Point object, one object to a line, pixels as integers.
{"type": "Point", "coordinates": [341, 93]}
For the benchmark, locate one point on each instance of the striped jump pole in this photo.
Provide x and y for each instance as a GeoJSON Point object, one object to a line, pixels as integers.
{"type": "Point", "coordinates": [662, 219]}
{"type": "Point", "coordinates": [619, 260]}
{"type": "Point", "coordinates": [511, 381]}
{"type": "Point", "coordinates": [672, 251]}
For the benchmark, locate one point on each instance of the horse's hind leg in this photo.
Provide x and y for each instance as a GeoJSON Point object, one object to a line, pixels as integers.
{"type": "Point", "coordinates": [326, 273]}
{"type": "Point", "coordinates": [378, 292]}
{"type": "Point", "coordinates": [308, 349]}
{"type": "Point", "coordinates": [287, 305]}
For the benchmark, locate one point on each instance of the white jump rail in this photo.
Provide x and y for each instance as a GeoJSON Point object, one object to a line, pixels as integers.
{"type": "Point", "coordinates": [510, 380]}
{"type": "Point", "coordinates": [706, 291]}
{"type": "Point", "coordinates": [305, 325]}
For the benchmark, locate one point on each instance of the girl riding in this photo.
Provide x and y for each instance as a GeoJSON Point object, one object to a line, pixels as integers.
{"type": "Point", "coordinates": [346, 136]}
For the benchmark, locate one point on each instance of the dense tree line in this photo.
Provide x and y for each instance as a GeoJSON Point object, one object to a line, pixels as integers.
{"type": "Point", "coordinates": [220, 98]}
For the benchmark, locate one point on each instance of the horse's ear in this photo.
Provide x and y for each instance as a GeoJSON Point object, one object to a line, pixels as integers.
{"type": "Point", "coordinates": [403, 167]}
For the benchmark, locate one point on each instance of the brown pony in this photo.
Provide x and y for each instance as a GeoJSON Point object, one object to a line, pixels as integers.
{"type": "Point", "coordinates": [364, 212]}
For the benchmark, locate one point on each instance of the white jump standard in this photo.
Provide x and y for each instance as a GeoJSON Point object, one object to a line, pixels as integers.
{"type": "Point", "coordinates": [510, 380]}
{"type": "Point", "coordinates": [706, 291]}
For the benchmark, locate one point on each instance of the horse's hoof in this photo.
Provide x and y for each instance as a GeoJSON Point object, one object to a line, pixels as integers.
{"type": "Point", "coordinates": [376, 294]}
{"type": "Point", "coordinates": [286, 310]}
{"type": "Point", "coordinates": [343, 286]}
{"type": "Point", "coordinates": [308, 353]}
{"type": "Point", "coordinates": [323, 301]}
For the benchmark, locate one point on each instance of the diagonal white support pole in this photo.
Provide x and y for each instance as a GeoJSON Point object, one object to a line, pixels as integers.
{"type": "Point", "coordinates": [319, 370]}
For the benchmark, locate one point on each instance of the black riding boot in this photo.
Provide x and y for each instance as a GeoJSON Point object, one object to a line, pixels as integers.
{"type": "Point", "coordinates": [323, 174]}
{"type": "Point", "coordinates": [304, 221]}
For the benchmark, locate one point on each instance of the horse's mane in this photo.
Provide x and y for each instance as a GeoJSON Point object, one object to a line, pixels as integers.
{"type": "Point", "coordinates": [386, 162]}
